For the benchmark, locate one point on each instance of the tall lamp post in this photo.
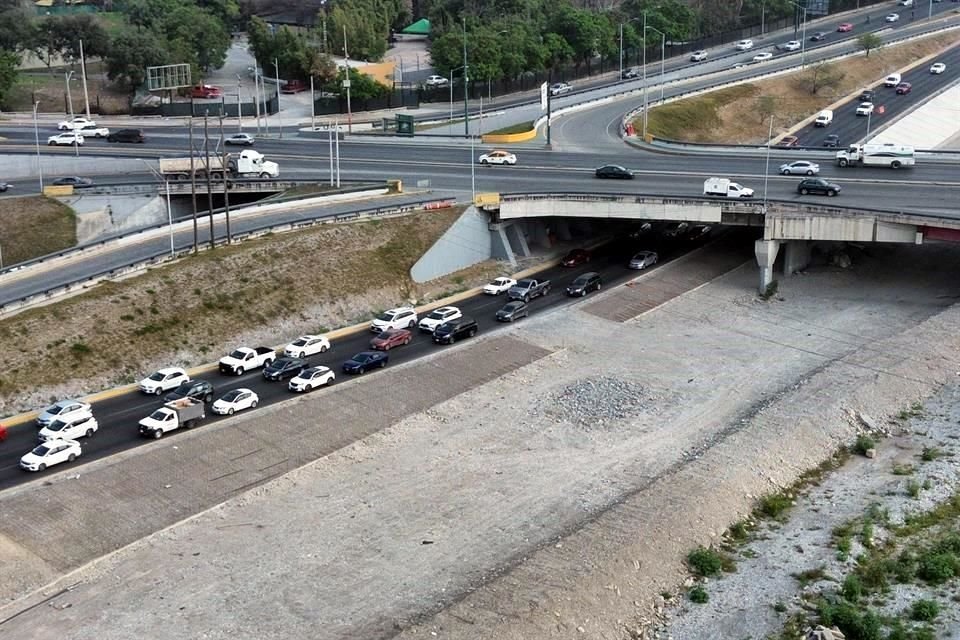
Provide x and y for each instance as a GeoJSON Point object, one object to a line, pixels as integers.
{"type": "Point", "coordinates": [239, 110]}
{"type": "Point", "coordinates": [83, 72]}
{"type": "Point", "coordinates": [663, 44]}
{"type": "Point", "coordinates": [466, 83]}
{"type": "Point", "coordinates": [276, 68]}
{"type": "Point", "coordinates": [36, 133]}
{"type": "Point", "coordinates": [766, 172]}
{"type": "Point", "coordinates": [803, 33]}
{"type": "Point", "coordinates": [622, 24]}
{"type": "Point", "coordinates": [66, 78]}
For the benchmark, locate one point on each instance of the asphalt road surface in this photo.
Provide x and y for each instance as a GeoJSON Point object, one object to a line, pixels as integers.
{"type": "Point", "coordinates": [118, 417]}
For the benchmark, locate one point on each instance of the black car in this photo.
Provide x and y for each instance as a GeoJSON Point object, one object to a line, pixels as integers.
{"type": "Point", "coordinates": [282, 368]}
{"type": "Point", "coordinates": [614, 171]}
{"type": "Point", "coordinates": [867, 95]}
{"type": "Point", "coordinates": [450, 332]}
{"type": "Point", "coordinates": [630, 73]}
{"type": "Point", "coordinates": [818, 36]}
{"type": "Point", "coordinates": [196, 389]}
{"type": "Point", "coordinates": [513, 311]}
{"type": "Point", "coordinates": [584, 284]}
{"type": "Point", "coordinates": [126, 135]}
{"type": "Point", "coordinates": [817, 185]}
{"type": "Point", "coordinates": [74, 181]}
{"type": "Point", "coordinates": [832, 140]}
{"type": "Point", "coordinates": [366, 360]}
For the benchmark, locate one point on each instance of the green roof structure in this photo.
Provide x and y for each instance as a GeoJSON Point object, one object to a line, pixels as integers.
{"type": "Point", "coordinates": [419, 28]}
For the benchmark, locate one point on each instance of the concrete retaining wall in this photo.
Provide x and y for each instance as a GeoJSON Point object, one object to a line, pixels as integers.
{"type": "Point", "coordinates": [465, 243]}
{"type": "Point", "coordinates": [625, 210]}
{"type": "Point", "coordinates": [13, 167]}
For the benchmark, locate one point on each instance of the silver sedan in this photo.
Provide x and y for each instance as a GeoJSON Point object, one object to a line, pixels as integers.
{"type": "Point", "coordinates": [800, 167]}
{"type": "Point", "coordinates": [644, 259]}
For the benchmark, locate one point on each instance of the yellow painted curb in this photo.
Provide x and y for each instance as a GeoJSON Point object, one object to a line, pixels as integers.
{"type": "Point", "coordinates": [507, 138]}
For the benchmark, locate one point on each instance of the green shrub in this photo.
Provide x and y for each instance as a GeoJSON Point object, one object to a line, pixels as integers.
{"type": "Point", "coordinates": [936, 568]}
{"type": "Point", "coordinates": [950, 543]}
{"type": "Point", "coordinates": [930, 454]}
{"type": "Point", "coordinates": [849, 620]}
{"type": "Point", "coordinates": [924, 610]}
{"type": "Point", "coordinates": [779, 606]}
{"type": "Point", "coordinates": [852, 588]}
{"type": "Point", "coordinates": [79, 349]}
{"type": "Point", "coordinates": [740, 530]}
{"type": "Point", "coordinates": [774, 504]}
{"type": "Point", "coordinates": [699, 595]}
{"type": "Point", "coordinates": [913, 488]}
{"type": "Point", "coordinates": [705, 562]}
{"type": "Point", "coordinates": [866, 535]}
{"type": "Point", "coordinates": [864, 443]}
{"type": "Point", "coordinates": [902, 469]}
{"type": "Point", "coordinates": [810, 575]}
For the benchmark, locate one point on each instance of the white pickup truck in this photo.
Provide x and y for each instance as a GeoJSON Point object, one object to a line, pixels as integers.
{"type": "Point", "coordinates": [184, 412]}
{"type": "Point", "coordinates": [243, 359]}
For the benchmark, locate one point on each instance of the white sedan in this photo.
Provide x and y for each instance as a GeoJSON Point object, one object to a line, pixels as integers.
{"type": "Point", "coordinates": [937, 68]}
{"type": "Point", "coordinates": [84, 426]}
{"type": "Point", "coordinates": [163, 380]}
{"type": "Point", "coordinates": [311, 379]}
{"type": "Point", "coordinates": [865, 109]}
{"type": "Point", "coordinates": [306, 346]}
{"type": "Point", "coordinates": [498, 157]}
{"type": "Point", "coordinates": [66, 139]}
{"type": "Point", "coordinates": [236, 400]}
{"type": "Point", "coordinates": [793, 45]}
{"type": "Point", "coordinates": [892, 17]}
{"type": "Point", "coordinates": [498, 286]}
{"type": "Point", "coordinates": [50, 453]}
{"type": "Point", "coordinates": [762, 57]}
{"type": "Point", "coordinates": [75, 123]}
{"type": "Point", "coordinates": [744, 45]}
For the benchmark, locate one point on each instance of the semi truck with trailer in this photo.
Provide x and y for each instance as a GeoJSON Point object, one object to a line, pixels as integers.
{"type": "Point", "coordinates": [248, 164]}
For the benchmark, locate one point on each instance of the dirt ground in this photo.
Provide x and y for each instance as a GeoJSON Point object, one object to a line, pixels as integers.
{"type": "Point", "coordinates": [264, 291]}
{"type": "Point", "coordinates": [41, 225]}
{"type": "Point", "coordinates": [557, 500]}
{"type": "Point", "coordinates": [718, 116]}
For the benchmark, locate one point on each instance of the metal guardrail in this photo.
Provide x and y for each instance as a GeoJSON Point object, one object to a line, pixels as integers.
{"type": "Point", "coordinates": [164, 254]}
{"type": "Point", "coordinates": [99, 244]}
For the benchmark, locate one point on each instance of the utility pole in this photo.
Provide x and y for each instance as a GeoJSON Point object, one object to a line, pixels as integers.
{"type": "Point", "coordinates": [466, 83]}
{"type": "Point", "coordinates": [226, 186]}
{"type": "Point", "coordinates": [256, 95]}
{"type": "Point", "coordinates": [193, 188]}
{"type": "Point", "coordinates": [239, 109]}
{"type": "Point", "coordinates": [83, 71]}
{"type": "Point", "coordinates": [276, 67]}
{"type": "Point", "coordinates": [346, 84]}
{"type": "Point", "coordinates": [206, 153]}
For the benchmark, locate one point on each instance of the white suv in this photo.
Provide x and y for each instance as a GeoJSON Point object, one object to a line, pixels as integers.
{"type": "Point", "coordinates": [744, 45]}
{"type": "Point", "coordinates": [438, 316]}
{"type": "Point", "coordinates": [70, 429]}
{"type": "Point", "coordinates": [399, 318]}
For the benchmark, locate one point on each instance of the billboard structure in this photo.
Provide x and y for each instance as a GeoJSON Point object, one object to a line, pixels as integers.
{"type": "Point", "coordinates": [168, 77]}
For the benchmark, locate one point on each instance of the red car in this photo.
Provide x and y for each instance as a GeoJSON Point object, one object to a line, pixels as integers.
{"type": "Point", "coordinates": [575, 258]}
{"type": "Point", "coordinates": [205, 91]}
{"type": "Point", "coordinates": [788, 141]}
{"type": "Point", "coordinates": [385, 340]}
{"type": "Point", "coordinates": [293, 86]}
{"type": "Point", "coordinates": [844, 27]}
{"type": "Point", "coordinates": [904, 87]}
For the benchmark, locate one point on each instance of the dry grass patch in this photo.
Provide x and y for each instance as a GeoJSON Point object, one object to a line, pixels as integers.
{"type": "Point", "coordinates": [190, 312]}
{"type": "Point", "coordinates": [731, 115]}
{"type": "Point", "coordinates": [40, 225]}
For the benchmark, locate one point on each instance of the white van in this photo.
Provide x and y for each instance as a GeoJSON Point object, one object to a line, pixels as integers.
{"type": "Point", "coordinates": [725, 188]}
{"type": "Point", "coordinates": [824, 118]}
{"type": "Point", "coordinates": [892, 80]}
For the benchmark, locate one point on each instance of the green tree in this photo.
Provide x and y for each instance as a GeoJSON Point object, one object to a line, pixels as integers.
{"type": "Point", "coordinates": [17, 27]}
{"type": "Point", "coordinates": [199, 37]}
{"type": "Point", "coordinates": [868, 42]}
{"type": "Point", "coordinates": [362, 86]}
{"type": "Point", "coordinates": [821, 75]}
{"type": "Point", "coordinates": [580, 29]}
{"type": "Point", "coordinates": [9, 63]}
{"type": "Point", "coordinates": [766, 107]}
{"type": "Point", "coordinates": [131, 52]}
{"type": "Point", "coordinates": [558, 50]}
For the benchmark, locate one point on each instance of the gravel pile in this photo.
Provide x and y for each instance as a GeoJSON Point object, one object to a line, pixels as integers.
{"type": "Point", "coordinates": [598, 402]}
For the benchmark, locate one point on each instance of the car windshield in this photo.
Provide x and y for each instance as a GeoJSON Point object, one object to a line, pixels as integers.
{"type": "Point", "coordinates": [437, 315]}
{"type": "Point", "coordinates": [57, 425]}
{"type": "Point", "coordinates": [582, 280]}
{"type": "Point", "coordinates": [41, 450]}
{"type": "Point", "coordinates": [239, 355]}
{"type": "Point", "coordinates": [499, 281]}
{"type": "Point", "coordinates": [512, 306]}
{"type": "Point", "coordinates": [56, 409]}
{"type": "Point", "coordinates": [300, 342]}
{"type": "Point", "coordinates": [231, 396]}
{"type": "Point", "coordinates": [386, 316]}
{"type": "Point", "coordinates": [159, 414]}
{"type": "Point", "coordinates": [157, 376]}
{"type": "Point", "coordinates": [362, 357]}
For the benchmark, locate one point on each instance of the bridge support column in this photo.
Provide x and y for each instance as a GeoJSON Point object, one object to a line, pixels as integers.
{"type": "Point", "coordinates": [562, 229]}
{"type": "Point", "coordinates": [518, 241]}
{"type": "Point", "coordinates": [766, 251]}
{"type": "Point", "coordinates": [796, 256]}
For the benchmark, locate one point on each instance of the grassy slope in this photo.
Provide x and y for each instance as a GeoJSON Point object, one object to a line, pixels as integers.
{"type": "Point", "coordinates": [39, 224]}
{"type": "Point", "coordinates": [730, 114]}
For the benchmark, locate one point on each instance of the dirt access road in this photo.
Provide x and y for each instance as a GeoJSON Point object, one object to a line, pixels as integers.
{"type": "Point", "coordinates": [554, 501]}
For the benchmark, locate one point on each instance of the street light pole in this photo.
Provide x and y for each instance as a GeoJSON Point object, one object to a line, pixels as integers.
{"type": "Point", "coordinates": [83, 71]}
{"type": "Point", "coordinates": [346, 85]}
{"type": "Point", "coordinates": [67, 77]}
{"type": "Point", "coordinates": [313, 106]}
{"type": "Point", "coordinates": [36, 133]}
{"type": "Point", "coordinates": [644, 75]}
{"type": "Point", "coordinates": [766, 172]}
{"type": "Point", "coordinates": [663, 43]}
{"type": "Point", "coordinates": [276, 67]}
{"type": "Point", "coordinates": [239, 109]}
{"type": "Point", "coordinates": [466, 83]}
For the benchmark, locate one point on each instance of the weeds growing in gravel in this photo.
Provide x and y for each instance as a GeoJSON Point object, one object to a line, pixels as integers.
{"type": "Point", "coordinates": [930, 454]}
{"type": "Point", "coordinates": [810, 575]}
{"type": "Point", "coordinates": [699, 595]}
{"type": "Point", "coordinates": [709, 562]}
{"type": "Point", "coordinates": [903, 469]}
{"type": "Point", "coordinates": [863, 444]}
{"type": "Point", "coordinates": [773, 505]}
{"type": "Point", "coordinates": [924, 610]}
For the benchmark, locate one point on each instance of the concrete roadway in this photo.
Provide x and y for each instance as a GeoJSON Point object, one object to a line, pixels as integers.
{"type": "Point", "coordinates": [118, 416]}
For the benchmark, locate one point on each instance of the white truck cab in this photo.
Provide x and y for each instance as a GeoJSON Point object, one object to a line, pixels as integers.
{"type": "Point", "coordinates": [725, 188]}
